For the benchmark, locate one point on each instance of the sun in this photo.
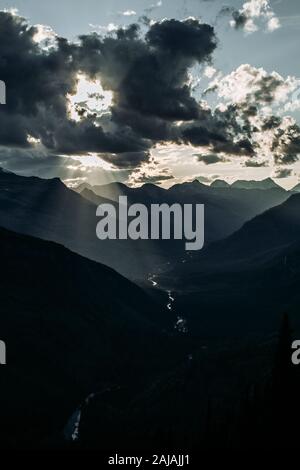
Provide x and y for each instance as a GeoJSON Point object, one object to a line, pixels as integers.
{"type": "Point", "coordinates": [89, 96]}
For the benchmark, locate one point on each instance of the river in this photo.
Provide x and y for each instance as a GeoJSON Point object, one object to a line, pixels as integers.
{"type": "Point", "coordinates": [180, 324]}
{"type": "Point", "coordinates": [71, 431]}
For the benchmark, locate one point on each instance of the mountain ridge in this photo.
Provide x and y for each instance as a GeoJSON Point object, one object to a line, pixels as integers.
{"type": "Point", "coordinates": [71, 325]}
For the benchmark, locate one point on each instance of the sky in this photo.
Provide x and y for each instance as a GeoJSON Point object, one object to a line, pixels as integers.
{"type": "Point", "coordinates": [139, 91]}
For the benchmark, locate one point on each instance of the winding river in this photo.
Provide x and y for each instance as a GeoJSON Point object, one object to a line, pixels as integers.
{"type": "Point", "coordinates": [180, 324]}
{"type": "Point", "coordinates": [71, 430]}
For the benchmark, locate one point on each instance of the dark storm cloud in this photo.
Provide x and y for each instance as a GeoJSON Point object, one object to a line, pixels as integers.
{"type": "Point", "coordinates": [267, 87]}
{"type": "Point", "coordinates": [148, 75]}
{"type": "Point", "coordinates": [286, 145]}
{"type": "Point", "coordinates": [227, 131]}
{"type": "Point", "coordinates": [219, 139]}
{"type": "Point", "coordinates": [254, 164]}
{"type": "Point", "coordinates": [210, 159]}
{"type": "Point", "coordinates": [201, 136]}
{"type": "Point", "coordinates": [37, 86]}
{"type": "Point", "coordinates": [29, 75]}
{"type": "Point", "coordinates": [78, 138]}
{"type": "Point", "coordinates": [38, 82]}
{"type": "Point", "coordinates": [188, 39]}
{"type": "Point", "coordinates": [148, 126]}
{"type": "Point", "coordinates": [271, 123]}
{"type": "Point", "coordinates": [128, 159]}
{"type": "Point", "coordinates": [154, 179]}
{"type": "Point", "coordinates": [283, 173]}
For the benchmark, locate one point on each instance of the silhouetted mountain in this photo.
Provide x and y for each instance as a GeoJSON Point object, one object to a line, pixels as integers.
{"type": "Point", "coordinates": [82, 187]}
{"type": "Point", "coordinates": [296, 188]}
{"type": "Point", "coordinates": [242, 302]}
{"type": "Point", "coordinates": [70, 325]}
{"type": "Point", "coordinates": [225, 211]}
{"type": "Point", "coordinates": [244, 283]}
{"type": "Point", "coordinates": [75, 328]}
{"type": "Point", "coordinates": [262, 237]}
{"type": "Point", "coordinates": [267, 183]}
{"type": "Point", "coordinates": [48, 209]}
{"type": "Point", "coordinates": [257, 241]}
{"type": "Point", "coordinates": [220, 184]}
{"type": "Point", "coordinates": [188, 404]}
{"type": "Point", "coordinates": [112, 191]}
{"type": "Point", "coordinates": [92, 197]}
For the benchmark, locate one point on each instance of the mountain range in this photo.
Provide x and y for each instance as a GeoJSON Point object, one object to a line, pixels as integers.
{"type": "Point", "coordinates": [72, 327]}
{"type": "Point", "coordinates": [245, 282]}
{"type": "Point", "coordinates": [76, 329]}
{"type": "Point", "coordinates": [49, 210]}
{"type": "Point", "coordinates": [225, 211]}
{"type": "Point", "coordinates": [265, 184]}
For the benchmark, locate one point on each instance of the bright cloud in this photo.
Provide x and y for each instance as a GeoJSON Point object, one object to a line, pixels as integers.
{"type": "Point", "coordinates": [256, 86]}
{"type": "Point", "coordinates": [89, 97]}
{"type": "Point", "coordinates": [129, 13]}
{"type": "Point", "coordinates": [254, 15]}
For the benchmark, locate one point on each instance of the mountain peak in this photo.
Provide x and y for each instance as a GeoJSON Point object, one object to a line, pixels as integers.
{"type": "Point", "coordinates": [220, 184]}
{"type": "Point", "coordinates": [153, 188]}
{"type": "Point", "coordinates": [296, 188]}
{"type": "Point", "coordinates": [3, 170]}
{"type": "Point", "coordinates": [267, 183]}
{"type": "Point", "coordinates": [195, 184]}
{"type": "Point", "coordinates": [82, 187]}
